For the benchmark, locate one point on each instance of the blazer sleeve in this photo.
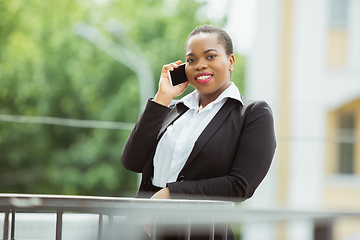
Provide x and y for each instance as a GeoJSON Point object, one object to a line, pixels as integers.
{"type": "Point", "coordinates": [252, 159]}
{"type": "Point", "coordinates": [142, 139]}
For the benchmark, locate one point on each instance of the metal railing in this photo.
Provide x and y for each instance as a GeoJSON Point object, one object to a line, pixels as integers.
{"type": "Point", "coordinates": [163, 215]}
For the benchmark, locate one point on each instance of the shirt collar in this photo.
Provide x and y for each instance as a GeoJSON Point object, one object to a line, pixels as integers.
{"type": "Point", "coordinates": [192, 99]}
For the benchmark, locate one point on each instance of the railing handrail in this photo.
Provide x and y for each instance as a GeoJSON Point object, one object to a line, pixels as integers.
{"type": "Point", "coordinates": [175, 211]}
{"type": "Point", "coordinates": [28, 202]}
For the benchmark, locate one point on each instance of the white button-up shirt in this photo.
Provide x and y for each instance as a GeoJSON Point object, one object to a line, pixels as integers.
{"type": "Point", "coordinates": [176, 144]}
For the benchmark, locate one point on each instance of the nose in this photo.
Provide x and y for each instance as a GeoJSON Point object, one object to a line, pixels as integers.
{"type": "Point", "coordinates": [201, 65]}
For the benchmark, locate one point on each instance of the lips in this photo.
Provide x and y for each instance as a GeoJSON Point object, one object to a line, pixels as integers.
{"type": "Point", "coordinates": [203, 78]}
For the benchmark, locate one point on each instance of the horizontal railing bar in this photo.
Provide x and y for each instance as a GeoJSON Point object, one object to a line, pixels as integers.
{"type": "Point", "coordinates": [199, 210]}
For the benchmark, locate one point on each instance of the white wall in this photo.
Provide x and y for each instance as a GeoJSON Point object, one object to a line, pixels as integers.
{"type": "Point", "coordinates": [308, 124]}
{"type": "Point", "coordinates": [262, 82]}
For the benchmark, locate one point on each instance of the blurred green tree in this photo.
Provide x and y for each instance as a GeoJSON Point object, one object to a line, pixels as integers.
{"type": "Point", "coordinates": [46, 70]}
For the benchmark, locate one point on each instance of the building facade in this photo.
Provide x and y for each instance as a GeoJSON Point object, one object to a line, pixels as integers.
{"type": "Point", "coordinates": [305, 63]}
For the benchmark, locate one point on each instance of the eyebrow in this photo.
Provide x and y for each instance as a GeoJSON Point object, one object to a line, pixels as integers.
{"type": "Point", "coordinates": [209, 50]}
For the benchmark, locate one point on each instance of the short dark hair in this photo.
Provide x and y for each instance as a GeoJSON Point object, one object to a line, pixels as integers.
{"type": "Point", "coordinates": [223, 37]}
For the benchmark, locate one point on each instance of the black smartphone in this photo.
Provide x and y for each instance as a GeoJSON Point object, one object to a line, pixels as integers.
{"type": "Point", "coordinates": [178, 75]}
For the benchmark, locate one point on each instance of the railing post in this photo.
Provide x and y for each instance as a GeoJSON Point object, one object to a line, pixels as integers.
{"type": "Point", "coordinates": [212, 230]}
{"type": "Point", "coordinates": [153, 229]}
{"type": "Point", "coordinates": [100, 228]}
{"type": "Point", "coordinates": [188, 230]}
{"type": "Point", "coordinates": [225, 230]}
{"type": "Point", "coordinates": [13, 224]}
{"type": "Point", "coordinates": [59, 215]}
{"type": "Point", "coordinates": [6, 224]}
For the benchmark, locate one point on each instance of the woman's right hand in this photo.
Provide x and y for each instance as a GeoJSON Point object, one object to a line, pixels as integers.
{"type": "Point", "coordinates": [166, 92]}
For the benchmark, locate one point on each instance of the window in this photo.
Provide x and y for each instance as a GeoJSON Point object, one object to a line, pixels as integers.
{"type": "Point", "coordinates": [346, 145]}
{"type": "Point", "coordinates": [337, 36]}
{"type": "Point", "coordinates": [338, 13]}
{"type": "Point", "coordinates": [323, 230]}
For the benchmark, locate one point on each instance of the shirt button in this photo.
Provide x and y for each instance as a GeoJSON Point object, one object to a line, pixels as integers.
{"type": "Point", "coordinates": [181, 178]}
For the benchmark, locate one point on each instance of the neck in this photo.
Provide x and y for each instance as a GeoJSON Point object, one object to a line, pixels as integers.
{"type": "Point", "coordinates": [205, 99]}
{"type": "Point", "coordinates": [204, 102]}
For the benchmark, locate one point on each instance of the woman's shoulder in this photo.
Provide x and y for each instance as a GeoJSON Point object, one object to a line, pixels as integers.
{"type": "Point", "coordinates": [249, 103]}
{"type": "Point", "coordinates": [253, 106]}
{"type": "Point", "coordinates": [254, 103]}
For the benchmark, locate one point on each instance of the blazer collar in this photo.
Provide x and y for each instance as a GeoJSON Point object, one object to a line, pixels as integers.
{"type": "Point", "coordinates": [211, 128]}
{"type": "Point", "coordinates": [174, 114]}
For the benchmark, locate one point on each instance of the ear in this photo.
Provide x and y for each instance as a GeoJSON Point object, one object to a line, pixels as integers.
{"type": "Point", "coordinates": [231, 62]}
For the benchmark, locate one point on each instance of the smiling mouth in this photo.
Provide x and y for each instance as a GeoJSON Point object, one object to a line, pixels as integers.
{"type": "Point", "coordinates": [203, 79]}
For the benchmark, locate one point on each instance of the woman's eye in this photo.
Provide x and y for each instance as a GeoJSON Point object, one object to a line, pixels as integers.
{"type": "Point", "coordinates": [189, 60]}
{"type": "Point", "coordinates": [211, 57]}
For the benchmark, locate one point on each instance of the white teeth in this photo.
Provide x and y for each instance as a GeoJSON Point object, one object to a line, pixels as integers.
{"type": "Point", "coordinates": [204, 77]}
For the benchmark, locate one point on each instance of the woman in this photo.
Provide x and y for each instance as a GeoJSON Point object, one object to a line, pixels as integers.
{"type": "Point", "coordinates": [211, 144]}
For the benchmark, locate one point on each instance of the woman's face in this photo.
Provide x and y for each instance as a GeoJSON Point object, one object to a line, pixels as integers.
{"type": "Point", "coordinates": [207, 65]}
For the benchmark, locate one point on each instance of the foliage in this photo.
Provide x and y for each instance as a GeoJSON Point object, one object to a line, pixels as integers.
{"type": "Point", "coordinates": [46, 70]}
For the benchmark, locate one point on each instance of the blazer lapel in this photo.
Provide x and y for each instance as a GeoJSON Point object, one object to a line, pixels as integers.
{"type": "Point", "coordinates": [174, 114]}
{"type": "Point", "coordinates": [211, 128]}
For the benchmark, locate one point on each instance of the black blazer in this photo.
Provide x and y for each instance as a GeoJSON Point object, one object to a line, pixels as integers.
{"type": "Point", "coordinates": [229, 159]}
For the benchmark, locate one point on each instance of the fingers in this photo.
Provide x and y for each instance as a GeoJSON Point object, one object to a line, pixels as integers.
{"type": "Point", "coordinates": [166, 91]}
{"type": "Point", "coordinates": [162, 194]}
{"type": "Point", "coordinates": [172, 65]}
{"type": "Point", "coordinates": [146, 224]}
{"type": "Point", "coordinates": [182, 87]}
